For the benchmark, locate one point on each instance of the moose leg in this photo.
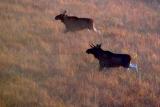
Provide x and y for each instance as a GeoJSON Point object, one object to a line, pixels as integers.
{"type": "Point", "coordinates": [88, 30]}
{"type": "Point", "coordinates": [101, 65]}
{"type": "Point", "coordinates": [128, 69]}
{"type": "Point", "coordinates": [133, 66]}
{"type": "Point", "coordinates": [101, 68]}
{"type": "Point", "coordinates": [95, 30]}
{"type": "Point", "coordinates": [66, 30]}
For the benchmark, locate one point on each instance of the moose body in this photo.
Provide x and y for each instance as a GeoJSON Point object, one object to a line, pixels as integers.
{"type": "Point", "coordinates": [73, 23]}
{"type": "Point", "coordinates": [109, 59]}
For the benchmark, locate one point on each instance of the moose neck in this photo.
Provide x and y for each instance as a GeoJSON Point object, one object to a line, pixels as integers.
{"type": "Point", "coordinates": [63, 18]}
{"type": "Point", "coordinates": [98, 54]}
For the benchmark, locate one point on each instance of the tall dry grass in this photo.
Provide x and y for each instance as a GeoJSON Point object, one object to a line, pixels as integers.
{"type": "Point", "coordinates": [41, 66]}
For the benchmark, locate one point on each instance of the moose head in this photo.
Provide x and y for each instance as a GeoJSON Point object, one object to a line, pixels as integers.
{"type": "Point", "coordinates": [94, 49]}
{"type": "Point", "coordinates": [61, 16]}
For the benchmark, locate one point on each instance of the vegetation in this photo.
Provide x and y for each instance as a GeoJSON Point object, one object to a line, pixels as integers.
{"type": "Point", "coordinates": [41, 66]}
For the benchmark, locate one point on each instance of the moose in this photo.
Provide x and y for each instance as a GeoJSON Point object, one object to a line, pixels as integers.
{"type": "Point", "coordinates": [109, 59]}
{"type": "Point", "coordinates": [73, 23]}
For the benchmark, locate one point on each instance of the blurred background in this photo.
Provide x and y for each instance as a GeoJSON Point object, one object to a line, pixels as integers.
{"type": "Point", "coordinates": [41, 66]}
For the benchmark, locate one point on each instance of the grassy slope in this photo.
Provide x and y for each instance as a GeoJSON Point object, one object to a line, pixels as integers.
{"type": "Point", "coordinates": [40, 66]}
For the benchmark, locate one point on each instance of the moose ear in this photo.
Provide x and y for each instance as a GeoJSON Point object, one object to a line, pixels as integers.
{"type": "Point", "coordinates": [64, 12]}
{"type": "Point", "coordinates": [99, 45]}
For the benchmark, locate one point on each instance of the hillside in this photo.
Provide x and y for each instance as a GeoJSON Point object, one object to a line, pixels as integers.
{"type": "Point", "coordinates": [41, 66]}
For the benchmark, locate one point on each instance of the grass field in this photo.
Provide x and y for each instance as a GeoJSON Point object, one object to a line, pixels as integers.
{"type": "Point", "coordinates": [41, 66]}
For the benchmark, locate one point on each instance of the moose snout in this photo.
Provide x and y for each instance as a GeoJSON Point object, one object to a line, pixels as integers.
{"type": "Point", "coordinates": [87, 51]}
{"type": "Point", "coordinates": [55, 18]}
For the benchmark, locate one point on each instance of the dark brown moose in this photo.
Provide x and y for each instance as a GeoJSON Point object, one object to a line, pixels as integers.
{"type": "Point", "coordinates": [108, 59]}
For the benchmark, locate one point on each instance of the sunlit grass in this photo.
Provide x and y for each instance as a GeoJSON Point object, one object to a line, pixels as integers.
{"type": "Point", "coordinates": [41, 66]}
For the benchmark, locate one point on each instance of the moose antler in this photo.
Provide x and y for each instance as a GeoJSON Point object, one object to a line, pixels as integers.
{"type": "Point", "coordinates": [92, 45]}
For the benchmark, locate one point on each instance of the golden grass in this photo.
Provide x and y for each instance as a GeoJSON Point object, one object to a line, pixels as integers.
{"type": "Point", "coordinates": [41, 66]}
